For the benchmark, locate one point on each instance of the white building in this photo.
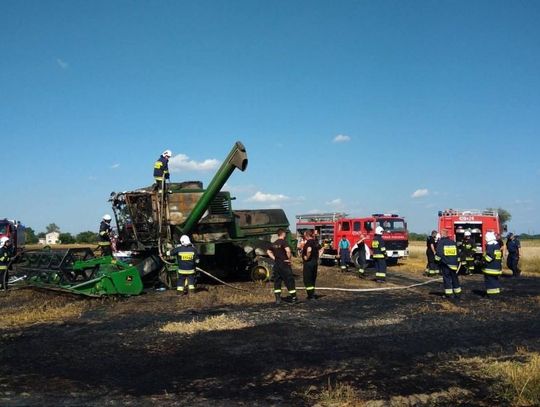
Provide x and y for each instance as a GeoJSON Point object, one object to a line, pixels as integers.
{"type": "Point", "coordinates": [52, 238]}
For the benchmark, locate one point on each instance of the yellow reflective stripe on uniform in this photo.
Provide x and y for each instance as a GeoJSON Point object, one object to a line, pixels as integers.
{"type": "Point", "coordinates": [498, 255]}
{"type": "Point", "coordinates": [158, 178]}
{"type": "Point", "coordinates": [191, 287]}
{"type": "Point", "coordinates": [375, 244]}
{"type": "Point", "coordinates": [378, 256]}
{"type": "Point", "coordinates": [310, 288]}
{"type": "Point", "coordinates": [185, 272]}
{"type": "Point", "coordinates": [104, 243]}
{"type": "Point", "coordinates": [3, 267]}
{"type": "Point", "coordinates": [103, 233]}
{"type": "Point", "coordinates": [292, 292]}
{"type": "Point", "coordinates": [492, 272]}
{"type": "Point", "coordinates": [448, 291]}
{"type": "Point", "coordinates": [438, 258]}
{"type": "Point", "coordinates": [277, 291]}
{"type": "Point", "coordinates": [493, 291]}
{"type": "Point", "coordinates": [457, 290]}
{"type": "Point", "coordinates": [487, 258]}
{"type": "Point", "coordinates": [158, 165]}
{"type": "Point", "coordinates": [181, 288]}
{"type": "Point", "coordinates": [453, 267]}
{"type": "Point", "coordinates": [186, 256]}
{"type": "Point", "coordinates": [380, 274]}
{"type": "Point", "coordinates": [383, 249]}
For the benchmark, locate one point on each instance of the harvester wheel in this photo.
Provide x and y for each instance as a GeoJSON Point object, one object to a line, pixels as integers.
{"type": "Point", "coordinates": [261, 272]}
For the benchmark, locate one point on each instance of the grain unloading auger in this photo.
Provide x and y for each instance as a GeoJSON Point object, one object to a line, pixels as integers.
{"type": "Point", "coordinates": [77, 271]}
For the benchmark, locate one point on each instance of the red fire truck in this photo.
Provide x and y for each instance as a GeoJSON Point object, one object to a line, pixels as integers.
{"type": "Point", "coordinates": [457, 222]}
{"type": "Point", "coordinates": [15, 231]}
{"type": "Point", "coordinates": [330, 227]}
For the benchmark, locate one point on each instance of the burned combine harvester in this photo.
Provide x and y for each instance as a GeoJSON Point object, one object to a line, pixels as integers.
{"type": "Point", "coordinates": [230, 242]}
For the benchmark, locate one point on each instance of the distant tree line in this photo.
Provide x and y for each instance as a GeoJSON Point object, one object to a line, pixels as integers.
{"type": "Point", "coordinates": [65, 237]}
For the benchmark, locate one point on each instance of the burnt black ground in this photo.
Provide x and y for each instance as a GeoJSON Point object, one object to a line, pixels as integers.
{"type": "Point", "coordinates": [386, 344]}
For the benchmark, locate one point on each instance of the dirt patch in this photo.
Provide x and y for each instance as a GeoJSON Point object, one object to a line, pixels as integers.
{"type": "Point", "coordinates": [379, 348]}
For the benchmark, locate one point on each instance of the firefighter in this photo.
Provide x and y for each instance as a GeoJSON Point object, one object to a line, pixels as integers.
{"type": "Point", "coordinates": [105, 236]}
{"type": "Point", "coordinates": [379, 255]}
{"type": "Point", "coordinates": [361, 255]}
{"type": "Point", "coordinates": [161, 170]}
{"type": "Point", "coordinates": [492, 266]}
{"type": "Point", "coordinates": [467, 251]}
{"type": "Point", "coordinates": [447, 256]}
{"type": "Point", "coordinates": [310, 257]}
{"type": "Point", "coordinates": [344, 253]}
{"type": "Point", "coordinates": [186, 258]}
{"type": "Point", "coordinates": [431, 243]}
{"type": "Point", "coordinates": [512, 261]}
{"type": "Point", "coordinates": [280, 253]}
{"type": "Point", "coordinates": [6, 253]}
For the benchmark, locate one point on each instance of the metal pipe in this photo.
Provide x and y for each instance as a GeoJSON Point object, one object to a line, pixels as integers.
{"type": "Point", "coordinates": [237, 158]}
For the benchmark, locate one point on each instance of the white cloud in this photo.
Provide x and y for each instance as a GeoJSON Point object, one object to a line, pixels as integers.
{"type": "Point", "coordinates": [419, 193]}
{"type": "Point", "coordinates": [181, 162]}
{"type": "Point", "coordinates": [341, 138]}
{"type": "Point", "coordinates": [115, 166]}
{"type": "Point", "coordinates": [335, 202]}
{"type": "Point", "coordinates": [262, 197]}
{"type": "Point", "coordinates": [62, 64]}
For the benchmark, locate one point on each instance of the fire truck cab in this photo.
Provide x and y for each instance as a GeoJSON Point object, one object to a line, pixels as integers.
{"type": "Point", "coordinates": [15, 231]}
{"type": "Point", "coordinates": [478, 223]}
{"type": "Point", "coordinates": [331, 227]}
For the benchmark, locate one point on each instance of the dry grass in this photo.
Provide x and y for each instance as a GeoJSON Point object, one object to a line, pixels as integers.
{"type": "Point", "coordinates": [26, 307]}
{"type": "Point", "coordinates": [336, 395]}
{"type": "Point", "coordinates": [519, 378]}
{"type": "Point", "coordinates": [215, 323]}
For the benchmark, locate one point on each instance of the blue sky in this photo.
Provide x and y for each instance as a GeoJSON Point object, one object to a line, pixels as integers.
{"type": "Point", "coordinates": [351, 105]}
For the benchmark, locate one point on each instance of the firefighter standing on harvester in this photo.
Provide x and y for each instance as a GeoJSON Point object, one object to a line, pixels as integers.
{"type": "Point", "coordinates": [378, 248]}
{"type": "Point", "coordinates": [447, 256]}
{"type": "Point", "coordinates": [105, 236]}
{"type": "Point", "coordinates": [492, 266]}
{"type": "Point", "coordinates": [466, 252]}
{"type": "Point", "coordinates": [6, 253]}
{"type": "Point", "coordinates": [161, 170]}
{"type": "Point", "coordinates": [186, 258]}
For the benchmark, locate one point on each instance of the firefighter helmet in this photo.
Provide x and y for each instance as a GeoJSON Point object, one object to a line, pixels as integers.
{"type": "Point", "coordinates": [184, 240]}
{"type": "Point", "coordinates": [467, 233]}
{"type": "Point", "coordinates": [107, 218]}
{"type": "Point", "coordinates": [3, 241]}
{"type": "Point", "coordinates": [379, 230]}
{"type": "Point", "coordinates": [490, 237]}
{"type": "Point", "coordinates": [167, 153]}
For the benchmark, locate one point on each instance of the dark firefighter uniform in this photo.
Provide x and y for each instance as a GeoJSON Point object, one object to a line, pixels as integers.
{"type": "Point", "coordinates": [361, 256]}
{"type": "Point", "coordinates": [311, 263]}
{"type": "Point", "coordinates": [379, 257]}
{"type": "Point", "coordinates": [186, 258]}
{"type": "Point", "coordinates": [512, 261]}
{"type": "Point", "coordinates": [161, 171]}
{"type": "Point", "coordinates": [466, 254]}
{"type": "Point", "coordinates": [6, 253]}
{"type": "Point", "coordinates": [447, 256]}
{"type": "Point", "coordinates": [282, 270]}
{"type": "Point", "coordinates": [431, 268]}
{"type": "Point", "coordinates": [105, 238]}
{"type": "Point", "coordinates": [492, 268]}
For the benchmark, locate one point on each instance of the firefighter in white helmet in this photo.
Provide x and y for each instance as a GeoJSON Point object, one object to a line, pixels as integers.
{"type": "Point", "coordinates": [105, 235]}
{"type": "Point", "coordinates": [467, 251]}
{"type": "Point", "coordinates": [378, 249]}
{"type": "Point", "coordinates": [161, 170]}
{"type": "Point", "coordinates": [6, 253]}
{"type": "Point", "coordinates": [186, 258]}
{"type": "Point", "coordinates": [492, 265]}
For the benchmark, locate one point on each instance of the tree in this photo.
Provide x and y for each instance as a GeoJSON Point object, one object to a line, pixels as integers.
{"type": "Point", "coordinates": [66, 238]}
{"type": "Point", "coordinates": [52, 227]}
{"type": "Point", "coordinates": [30, 236]}
{"type": "Point", "coordinates": [504, 216]}
{"type": "Point", "coordinates": [87, 237]}
{"type": "Point", "coordinates": [41, 235]}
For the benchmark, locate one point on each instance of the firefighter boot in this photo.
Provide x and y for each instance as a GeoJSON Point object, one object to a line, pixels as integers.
{"type": "Point", "coordinates": [278, 299]}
